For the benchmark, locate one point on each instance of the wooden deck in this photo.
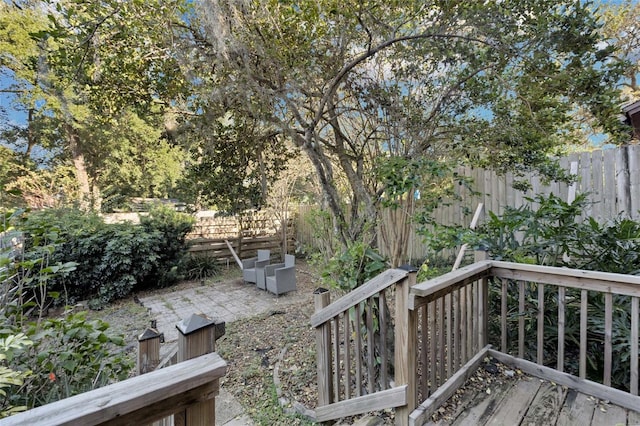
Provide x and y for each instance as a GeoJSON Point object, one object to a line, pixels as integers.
{"type": "Point", "coordinates": [526, 400]}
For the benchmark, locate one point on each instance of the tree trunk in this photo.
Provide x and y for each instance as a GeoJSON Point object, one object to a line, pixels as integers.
{"type": "Point", "coordinates": [81, 168]}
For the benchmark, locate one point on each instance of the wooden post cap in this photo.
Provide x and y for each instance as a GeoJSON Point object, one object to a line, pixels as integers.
{"type": "Point", "coordinates": [320, 290]}
{"type": "Point", "coordinates": [194, 323]}
{"type": "Point", "coordinates": [149, 333]}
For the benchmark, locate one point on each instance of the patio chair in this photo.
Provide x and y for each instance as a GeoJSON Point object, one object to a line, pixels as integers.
{"type": "Point", "coordinates": [252, 265]}
{"type": "Point", "coordinates": [281, 278]}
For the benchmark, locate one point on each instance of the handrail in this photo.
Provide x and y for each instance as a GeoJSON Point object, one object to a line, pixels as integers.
{"type": "Point", "coordinates": [606, 282]}
{"type": "Point", "coordinates": [351, 299]}
{"type": "Point", "coordinates": [139, 400]}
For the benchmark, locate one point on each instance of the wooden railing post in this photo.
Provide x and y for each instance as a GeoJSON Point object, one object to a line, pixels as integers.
{"type": "Point", "coordinates": [321, 299]}
{"type": "Point", "coordinates": [197, 337]}
{"type": "Point", "coordinates": [148, 349]}
{"type": "Point", "coordinates": [405, 347]}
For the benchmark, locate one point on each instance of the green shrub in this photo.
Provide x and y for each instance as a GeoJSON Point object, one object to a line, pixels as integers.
{"type": "Point", "coordinates": [67, 356]}
{"type": "Point", "coordinates": [198, 267]}
{"type": "Point", "coordinates": [112, 260]}
{"type": "Point", "coordinates": [353, 267]}
{"type": "Point", "coordinates": [169, 229]}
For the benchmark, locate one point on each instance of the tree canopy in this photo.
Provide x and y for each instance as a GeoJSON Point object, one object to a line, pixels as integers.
{"type": "Point", "coordinates": [358, 84]}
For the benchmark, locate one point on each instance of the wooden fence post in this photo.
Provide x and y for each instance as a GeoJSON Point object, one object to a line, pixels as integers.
{"type": "Point", "coordinates": [321, 299]}
{"type": "Point", "coordinates": [148, 349]}
{"type": "Point", "coordinates": [197, 337]}
{"type": "Point", "coordinates": [405, 346]}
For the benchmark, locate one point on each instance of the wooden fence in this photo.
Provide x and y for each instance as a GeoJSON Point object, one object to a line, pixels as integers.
{"type": "Point", "coordinates": [610, 177]}
{"type": "Point", "coordinates": [247, 234]}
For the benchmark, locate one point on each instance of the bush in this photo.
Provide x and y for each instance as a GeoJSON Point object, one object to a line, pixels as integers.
{"type": "Point", "coordinates": [198, 267]}
{"type": "Point", "coordinates": [169, 229]}
{"type": "Point", "coordinates": [353, 267]}
{"type": "Point", "coordinates": [65, 356]}
{"type": "Point", "coordinates": [112, 260]}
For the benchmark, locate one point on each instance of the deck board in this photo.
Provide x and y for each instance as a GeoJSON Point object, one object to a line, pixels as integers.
{"type": "Point", "coordinates": [484, 405]}
{"type": "Point", "coordinates": [533, 401]}
{"type": "Point", "coordinates": [520, 398]}
{"type": "Point", "coordinates": [546, 405]}
{"type": "Point", "coordinates": [577, 409]}
{"type": "Point", "coordinates": [606, 414]}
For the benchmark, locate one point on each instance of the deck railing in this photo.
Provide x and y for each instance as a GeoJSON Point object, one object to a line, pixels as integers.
{"type": "Point", "coordinates": [544, 320]}
{"type": "Point", "coordinates": [352, 377]}
{"type": "Point", "coordinates": [182, 392]}
{"type": "Point", "coordinates": [178, 390]}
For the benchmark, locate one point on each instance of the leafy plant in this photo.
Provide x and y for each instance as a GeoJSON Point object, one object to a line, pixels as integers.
{"type": "Point", "coordinates": [68, 356]}
{"type": "Point", "coordinates": [10, 378]}
{"type": "Point", "coordinates": [194, 267]}
{"type": "Point", "coordinates": [169, 229]}
{"type": "Point", "coordinates": [353, 267]}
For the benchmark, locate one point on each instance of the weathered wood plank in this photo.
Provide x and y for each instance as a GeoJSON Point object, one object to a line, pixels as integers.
{"type": "Point", "coordinates": [561, 325]}
{"type": "Point", "coordinates": [347, 354]}
{"type": "Point", "coordinates": [546, 405]}
{"type": "Point", "coordinates": [577, 409]}
{"type": "Point", "coordinates": [633, 418]}
{"type": "Point", "coordinates": [521, 319]}
{"type": "Point", "coordinates": [540, 326]}
{"type": "Point", "coordinates": [605, 282]}
{"type": "Point", "coordinates": [485, 404]}
{"type": "Point", "coordinates": [608, 323]}
{"type": "Point", "coordinates": [617, 397]}
{"type": "Point", "coordinates": [322, 298]}
{"type": "Point", "coordinates": [518, 401]}
{"type": "Point", "coordinates": [503, 315]}
{"type": "Point", "coordinates": [635, 325]}
{"type": "Point", "coordinates": [389, 398]}
{"type": "Point", "coordinates": [584, 305]}
{"type": "Point", "coordinates": [444, 392]}
{"type": "Point", "coordinates": [469, 273]}
{"type": "Point", "coordinates": [607, 414]}
{"type": "Point", "coordinates": [368, 289]}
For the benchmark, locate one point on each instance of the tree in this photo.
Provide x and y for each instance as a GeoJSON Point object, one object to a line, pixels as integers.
{"type": "Point", "coordinates": [357, 84]}
{"type": "Point", "coordinates": [622, 29]}
{"type": "Point", "coordinates": [90, 72]}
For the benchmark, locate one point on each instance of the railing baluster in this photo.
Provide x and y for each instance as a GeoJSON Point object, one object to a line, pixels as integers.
{"type": "Point", "coordinates": [432, 346]}
{"type": "Point", "coordinates": [608, 314]}
{"type": "Point", "coordinates": [336, 357]}
{"type": "Point", "coordinates": [463, 325]}
{"type": "Point", "coordinates": [475, 312]}
{"type": "Point", "coordinates": [635, 324]}
{"type": "Point", "coordinates": [456, 329]}
{"type": "Point", "coordinates": [503, 315]}
{"type": "Point", "coordinates": [540, 338]}
{"type": "Point", "coordinates": [370, 346]}
{"type": "Point", "coordinates": [358, 355]}
{"type": "Point", "coordinates": [347, 355]}
{"type": "Point", "coordinates": [561, 322]}
{"type": "Point", "coordinates": [448, 334]}
{"type": "Point", "coordinates": [424, 359]}
{"type": "Point", "coordinates": [470, 322]}
{"type": "Point", "coordinates": [441, 331]}
{"type": "Point", "coordinates": [382, 322]}
{"type": "Point", "coordinates": [584, 297]}
{"type": "Point", "coordinates": [520, 319]}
